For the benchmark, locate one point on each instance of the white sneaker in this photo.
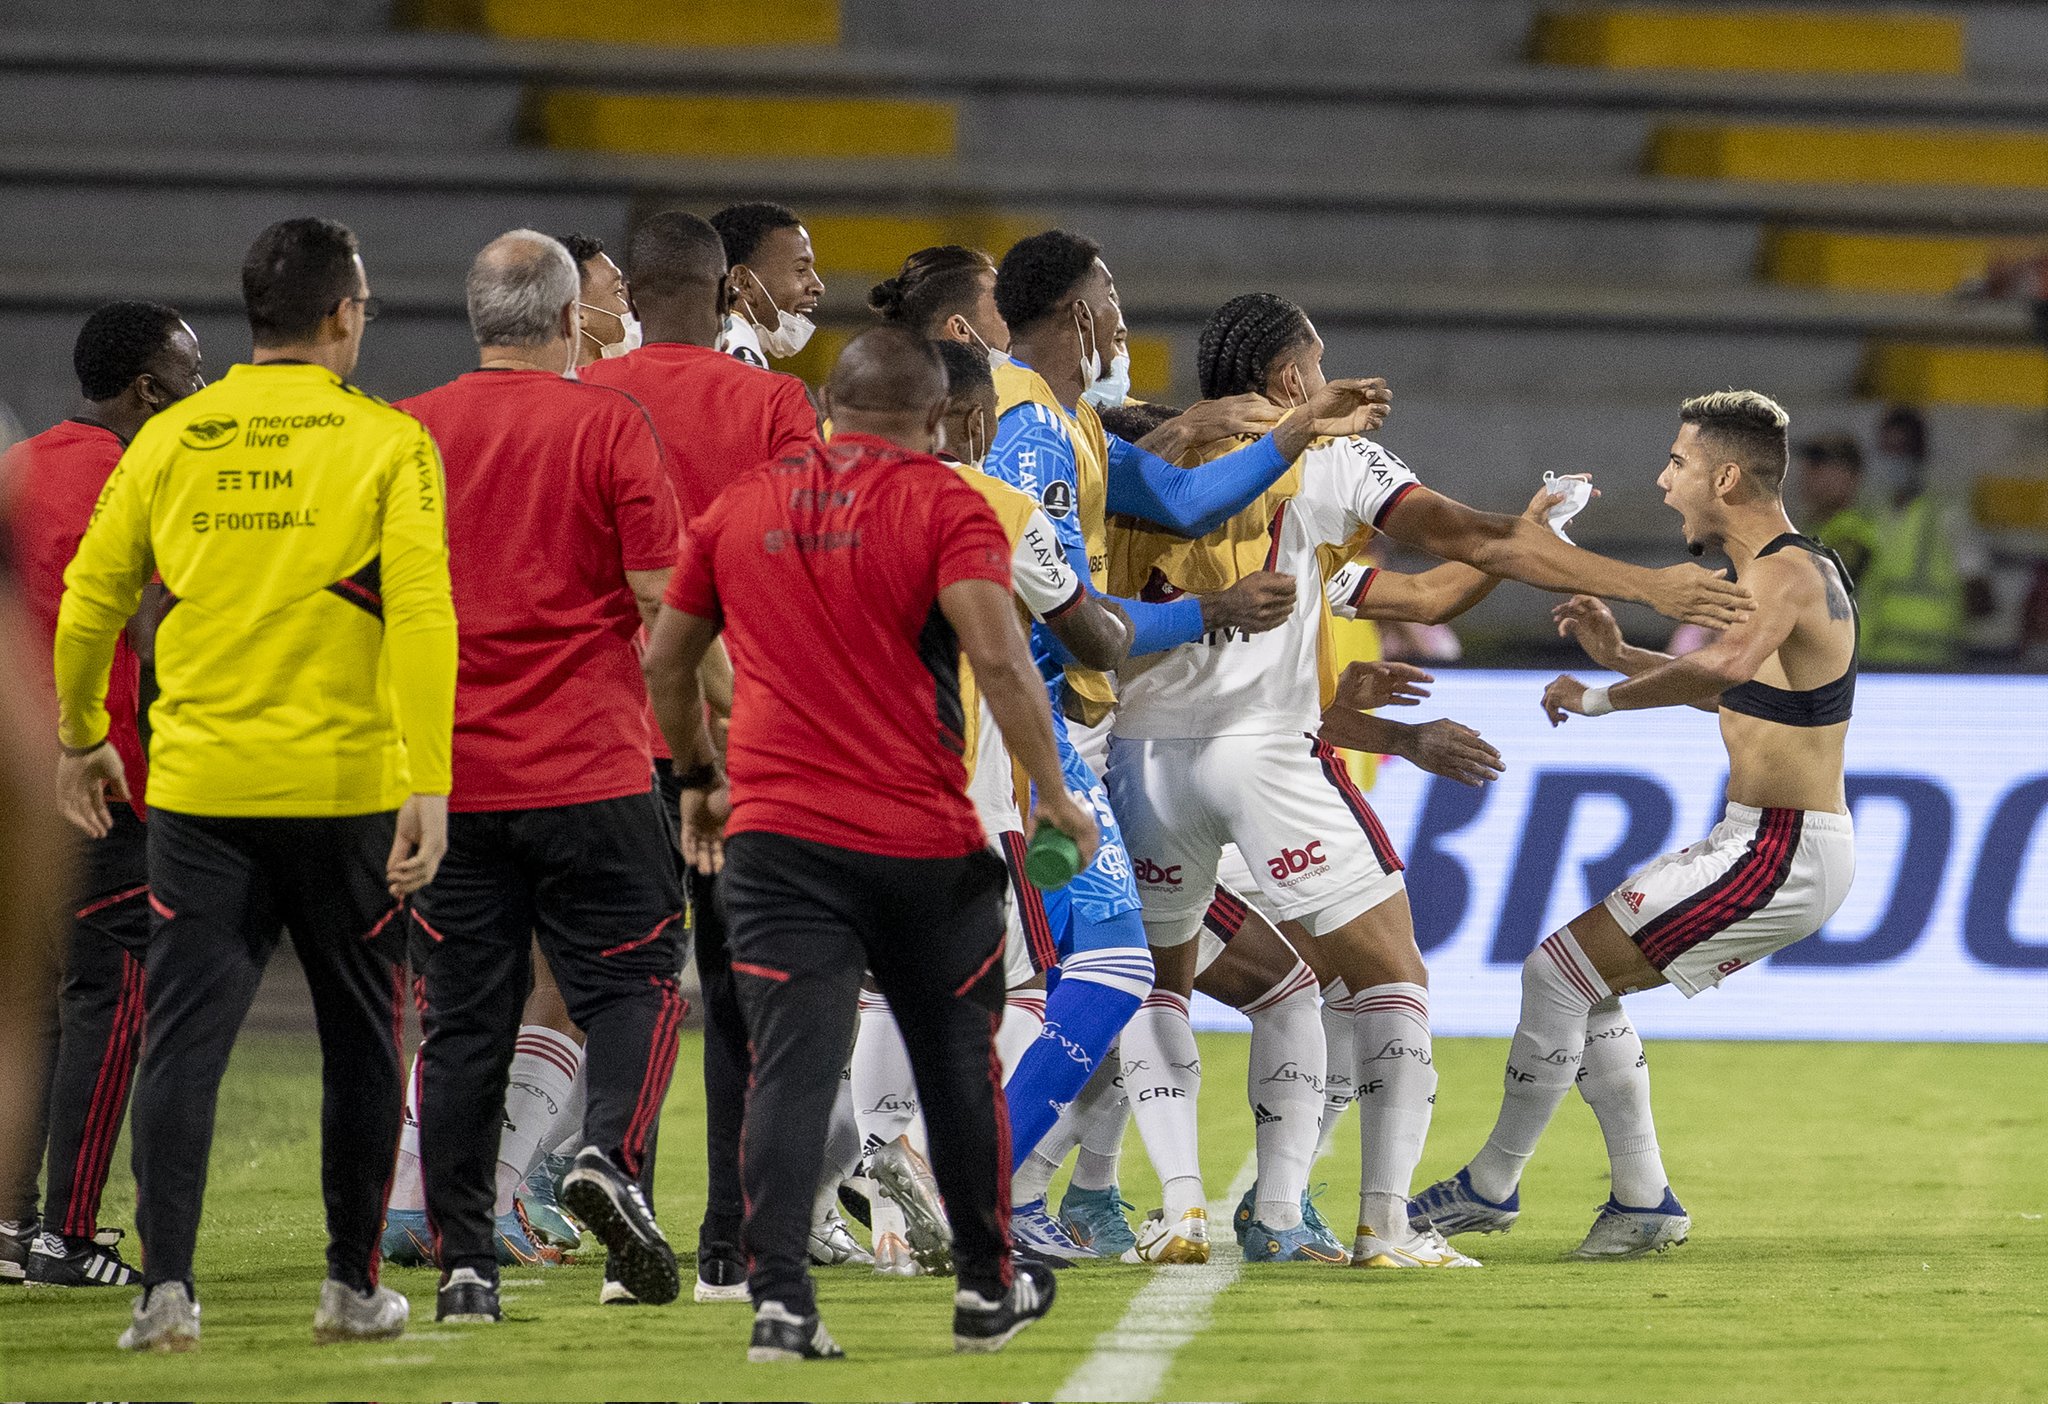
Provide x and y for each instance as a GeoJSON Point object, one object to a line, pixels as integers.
{"type": "Point", "coordinates": [1425, 1249]}
{"type": "Point", "coordinates": [1185, 1241]}
{"type": "Point", "coordinates": [1621, 1232]}
{"type": "Point", "coordinates": [1034, 1231]}
{"type": "Point", "coordinates": [893, 1257]}
{"type": "Point", "coordinates": [833, 1242]}
{"type": "Point", "coordinates": [347, 1315]}
{"type": "Point", "coordinates": [166, 1319]}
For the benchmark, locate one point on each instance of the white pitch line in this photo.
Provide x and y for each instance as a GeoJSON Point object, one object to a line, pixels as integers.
{"type": "Point", "coordinates": [1131, 1358]}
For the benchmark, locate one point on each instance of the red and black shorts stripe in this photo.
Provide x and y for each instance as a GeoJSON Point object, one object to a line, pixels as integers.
{"type": "Point", "coordinates": [1339, 776]}
{"type": "Point", "coordinates": [1227, 914]}
{"type": "Point", "coordinates": [1744, 890]}
{"type": "Point", "coordinates": [1038, 937]}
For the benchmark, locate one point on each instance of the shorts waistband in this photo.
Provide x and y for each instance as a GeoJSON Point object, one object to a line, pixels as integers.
{"type": "Point", "coordinates": [1813, 821]}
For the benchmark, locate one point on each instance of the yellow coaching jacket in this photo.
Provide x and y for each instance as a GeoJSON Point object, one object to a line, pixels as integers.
{"type": "Point", "coordinates": [306, 664]}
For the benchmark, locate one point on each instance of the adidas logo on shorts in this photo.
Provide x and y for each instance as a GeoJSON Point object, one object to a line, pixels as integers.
{"type": "Point", "coordinates": [1634, 900]}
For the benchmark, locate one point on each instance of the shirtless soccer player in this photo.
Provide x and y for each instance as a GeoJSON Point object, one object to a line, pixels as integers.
{"type": "Point", "coordinates": [1771, 872]}
{"type": "Point", "coordinates": [1216, 743]}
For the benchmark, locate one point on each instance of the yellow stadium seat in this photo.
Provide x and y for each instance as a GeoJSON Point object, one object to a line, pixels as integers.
{"type": "Point", "coordinates": [1852, 155]}
{"type": "Point", "coordinates": [676, 23]}
{"type": "Point", "coordinates": [1854, 261]}
{"type": "Point", "coordinates": [1922, 373]}
{"type": "Point", "coordinates": [2011, 502]}
{"type": "Point", "coordinates": [739, 126]}
{"type": "Point", "coordinates": [1151, 366]}
{"type": "Point", "coordinates": [1756, 40]}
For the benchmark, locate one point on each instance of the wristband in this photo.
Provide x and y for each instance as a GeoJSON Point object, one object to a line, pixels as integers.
{"type": "Point", "coordinates": [75, 752]}
{"type": "Point", "coordinates": [1596, 702]}
{"type": "Point", "coordinates": [698, 777]}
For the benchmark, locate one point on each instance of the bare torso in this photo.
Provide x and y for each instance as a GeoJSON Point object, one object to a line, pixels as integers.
{"type": "Point", "coordinates": [1775, 766]}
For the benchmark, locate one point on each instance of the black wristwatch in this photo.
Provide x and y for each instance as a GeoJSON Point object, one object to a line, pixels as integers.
{"type": "Point", "coordinates": [701, 777]}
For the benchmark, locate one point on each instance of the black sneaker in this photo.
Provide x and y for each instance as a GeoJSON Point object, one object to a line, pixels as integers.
{"type": "Point", "coordinates": [609, 1203]}
{"type": "Point", "coordinates": [780, 1335]}
{"type": "Point", "coordinates": [58, 1261]}
{"type": "Point", "coordinates": [857, 1204]}
{"type": "Point", "coordinates": [466, 1298]}
{"type": "Point", "coordinates": [16, 1237]}
{"type": "Point", "coordinates": [721, 1273]}
{"type": "Point", "coordinates": [982, 1327]}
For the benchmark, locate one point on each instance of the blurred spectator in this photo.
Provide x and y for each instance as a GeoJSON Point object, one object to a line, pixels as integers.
{"type": "Point", "coordinates": [1927, 575]}
{"type": "Point", "coordinates": [1830, 499]}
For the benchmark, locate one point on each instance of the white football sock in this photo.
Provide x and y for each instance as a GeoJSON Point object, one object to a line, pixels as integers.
{"type": "Point", "coordinates": [1162, 1071]}
{"type": "Point", "coordinates": [408, 1185]}
{"type": "Point", "coordinates": [884, 1090]}
{"type": "Point", "coordinates": [1337, 1093]}
{"type": "Point", "coordinates": [842, 1143]}
{"type": "Point", "coordinates": [1286, 1098]}
{"type": "Point", "coordinates": [1559, 989]}
{"type": "Point", "coordinates": [544, 1065]}
{"type": "Point", "coordinates": [1615, 1081]}
{"type": "Point", "coordinates": [1395, 1074]}
{"type": "Point", "coordinates": [1103, 1111]}
{"type": "Point", "coordinates": [565, 1136]}
{"type": "Point", "coordinates": [1023, 1018]}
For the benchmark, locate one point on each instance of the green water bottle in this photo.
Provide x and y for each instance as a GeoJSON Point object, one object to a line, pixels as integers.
{"type": "Point", "coordinates": [1052, 859]}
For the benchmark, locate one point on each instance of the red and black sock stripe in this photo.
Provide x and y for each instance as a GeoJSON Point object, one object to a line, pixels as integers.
{"type": "Point", "coordinates": [1339, 776]}
{"type": "Point", "coordinates": [1745, 889]}
{"type": "Point", "coordinates": [1038, 937]}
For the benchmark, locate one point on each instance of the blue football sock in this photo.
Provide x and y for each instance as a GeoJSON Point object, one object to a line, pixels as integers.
{"type": "Point", "coordinates": [1097, 993]}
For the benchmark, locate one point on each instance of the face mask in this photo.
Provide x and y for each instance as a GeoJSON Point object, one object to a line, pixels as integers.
{"type": "Point", "coordinates": [1113, 389]}
{"type": "Point", "coordinates": [791, 329]}
{"type": "Point", "coordinates": [1091, 357]}
{"type": "Point", "coordinates": [1895, 470]}
{"type": "Point", "coordinates": [986, 350]}
{"type": "Point", "coordinates": [629, 342]}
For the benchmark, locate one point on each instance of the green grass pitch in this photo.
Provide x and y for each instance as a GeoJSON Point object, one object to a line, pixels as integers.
{"type": "Point", "coordinates": [1867, 1226]}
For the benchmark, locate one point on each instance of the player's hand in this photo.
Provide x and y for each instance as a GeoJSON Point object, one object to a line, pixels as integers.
{"type": "Point", "coordinates": [418, 846]}
{"type": "Point", "coordinates": [1453, 751]}
{"type": "Point", "coordinates": [1365, 687]}
{"type": "Point", "coordinates": [704, 813]}
{"type": "Point", "coordinates": [1262, 600]}
{"type": "Point", "coordinates": [1566, 696]}
{"type": "Point", "coordinates": [1344, 407]}
{"type": "Point", "coordinates": [83, 784]}
{"type": "Point", "coordinates": [1693, 595]}
{"type": "Point", "coordinates": [1538, 510]}
{"type": "Point", "coordinates": [1072, 818]}
{"type": "Point", "coordinates": [1209, 420]}
{"type": "Point", "coordinates": [1592, 624]}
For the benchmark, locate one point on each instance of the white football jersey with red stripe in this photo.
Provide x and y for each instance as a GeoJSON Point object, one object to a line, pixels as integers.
{"type": "Point", "coordinates": [1231, 684]}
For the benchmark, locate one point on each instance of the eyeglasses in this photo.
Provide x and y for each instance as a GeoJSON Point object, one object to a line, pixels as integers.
{"type": "Point", "coordinates": [371, 306]}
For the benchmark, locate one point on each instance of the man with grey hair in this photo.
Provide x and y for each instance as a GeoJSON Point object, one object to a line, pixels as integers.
{"type": "Point", "coordinates": [562, 528]}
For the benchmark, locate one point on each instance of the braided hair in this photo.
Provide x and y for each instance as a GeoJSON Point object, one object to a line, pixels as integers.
{"type": "Point", "coordinates": [1243, 338]}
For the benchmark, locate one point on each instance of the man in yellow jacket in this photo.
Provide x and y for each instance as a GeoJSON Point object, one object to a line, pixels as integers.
{"type": "Point", "coordinates": [299, 762]}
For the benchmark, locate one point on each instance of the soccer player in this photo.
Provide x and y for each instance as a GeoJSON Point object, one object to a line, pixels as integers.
{"type": "Point", "coordinates": [1770, 873]}
{"type": "Point", "coordinates": [1192, 724]}
{"type": "Point", "coordinates": [772, 284]}
{"type": "Point", "coordinates": [1059, 302]}
{"type": "Point", "coordinates": [555, 827]}
{"type": "Point", "coordinates": [843, 572]}
{"type": "Point", "coordinates": [719, 419]}
{"type": "Point", "coordinates": [609, 326]}
{"type": "Point", "coordinates": [132, 360]}
{"type": "Point", "coordinates": [299, 756]}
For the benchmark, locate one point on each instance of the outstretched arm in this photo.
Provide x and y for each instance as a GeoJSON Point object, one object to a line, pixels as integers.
{"type": "Point", "coordinates": [1519, 549]}
{"type": "Point", "coordinates": [1194, 502]}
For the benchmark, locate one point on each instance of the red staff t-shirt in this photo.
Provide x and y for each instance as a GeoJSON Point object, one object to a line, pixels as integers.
{"type": "Point", "coordinates": [52, 482]}
{"type": "Point", "coordinates": [825, 570]}
{"type": "Point", "coordinates": [555, 490]}
{"type": "Point", "coordinates": [719, 419]}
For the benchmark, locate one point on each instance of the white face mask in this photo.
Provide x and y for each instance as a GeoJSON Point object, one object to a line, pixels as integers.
{"type": "Point", "coordinates": [986, 350]}
{"type": "Point", "coordinates": [791, 329]}
{"type": "Point", "coordinates": [1091, 356]}
{"type": "Point", "coordinates": [631, 341]}
{"type": "Point", "coordinates": [1113, 389]}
